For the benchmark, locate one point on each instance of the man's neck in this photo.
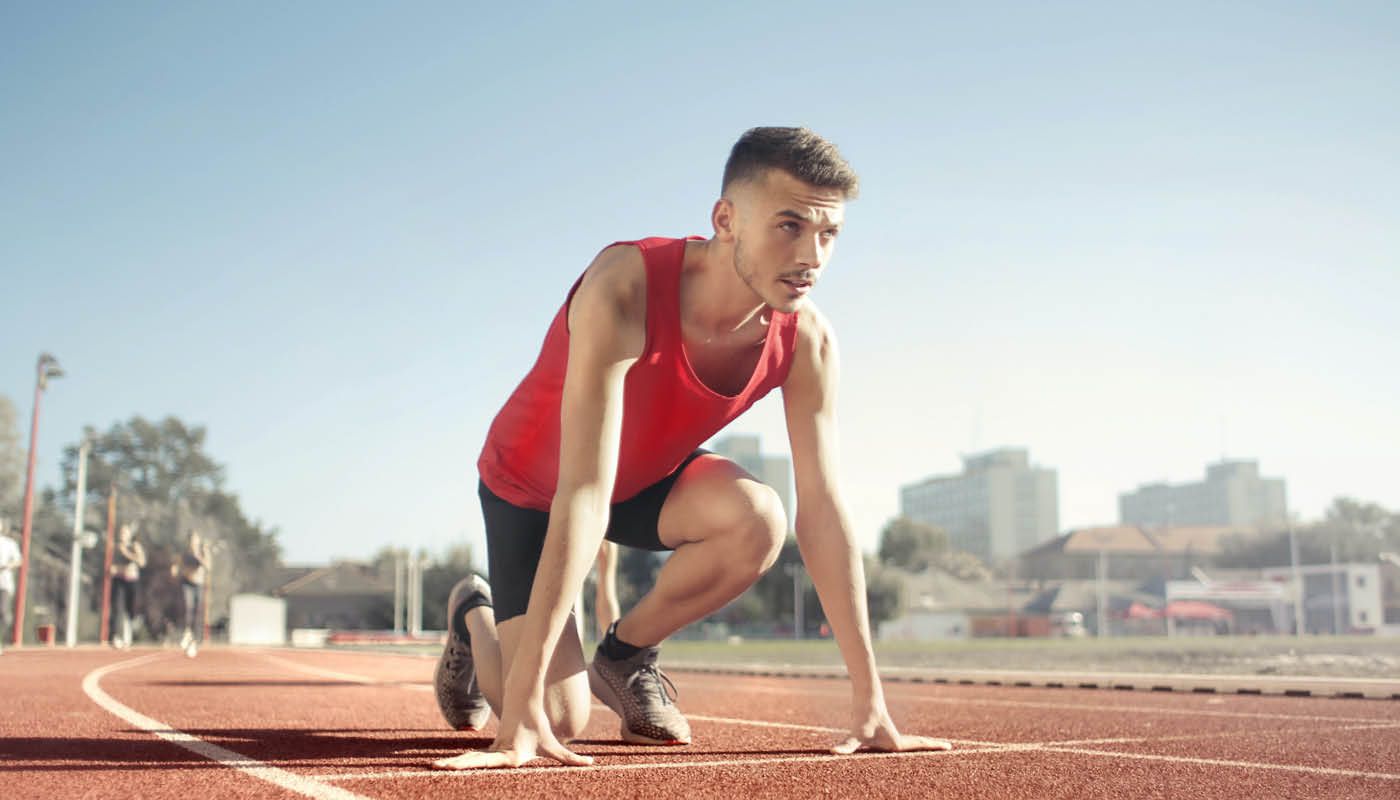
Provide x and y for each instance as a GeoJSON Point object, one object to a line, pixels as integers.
{"type": "Point", "coordinates": [714, 299]}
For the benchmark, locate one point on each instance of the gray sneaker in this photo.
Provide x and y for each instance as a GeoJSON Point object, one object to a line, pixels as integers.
{"type": "Point", "coordinates": [458, 695]}
{"type": "Point", "coordinates": [637, 691]}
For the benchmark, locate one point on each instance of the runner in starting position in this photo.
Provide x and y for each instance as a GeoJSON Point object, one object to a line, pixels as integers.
{"type": "Point", "coordinates": [659, 345]}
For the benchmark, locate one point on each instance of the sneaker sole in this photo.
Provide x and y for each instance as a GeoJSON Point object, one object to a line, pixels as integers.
{"type": "Point", "coordinates": [603, 691]}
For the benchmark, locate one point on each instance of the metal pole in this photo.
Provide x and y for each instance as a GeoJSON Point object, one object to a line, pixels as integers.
{"type": "Point", "coordinates": [1103, 594]}
{"type": "Point", "coordinates": [412, 621]}
{"type": "Point", "coordinates": [75, 567]}
{"type": "Point", "coordinates": [27, 518]}
{"type": "Point", "coordinates": [1298, 594]}
{"type": "Point", "coordinates": [798, 612]}
{"type": "Point", "coordinates": [398, 592]}
{"type": "Point", "coordinates": [1336, 590]}
{"type": "Point", "coordinates": [102, 631]}
{"type": "Point", "coordinates": [418, 563]}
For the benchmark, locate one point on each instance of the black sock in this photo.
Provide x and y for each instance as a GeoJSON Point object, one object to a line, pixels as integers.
{"type": "Point", "coordinates": [459, 620]}
{"type": "Point", "coordinates": [616, 649]}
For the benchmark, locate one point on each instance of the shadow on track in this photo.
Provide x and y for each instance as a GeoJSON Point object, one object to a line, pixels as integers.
{"type": "Point", "coordinates": [274, 746]}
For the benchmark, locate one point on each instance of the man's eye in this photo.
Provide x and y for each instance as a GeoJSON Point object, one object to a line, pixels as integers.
{"type": "Point", "coordinates": [790, 227]}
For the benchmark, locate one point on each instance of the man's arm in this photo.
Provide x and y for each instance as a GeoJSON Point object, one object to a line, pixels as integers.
{"type": "Point", "coordinates": [824, 535]}
{"type": "Point", "coordinates": [606, 335]}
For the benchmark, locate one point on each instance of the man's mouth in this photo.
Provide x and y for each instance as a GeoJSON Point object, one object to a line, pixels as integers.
{"type": "Point", "coordinates": [797, 285]}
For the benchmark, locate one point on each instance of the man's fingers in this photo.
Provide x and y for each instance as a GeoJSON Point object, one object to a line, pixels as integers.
{"type": "Point", "coordinates": [924, 743]}
{"type": "Point", "coordinates": [847, 747]}
{"type": "Point", "coordinates": [481, 759]}
{"type": "Point", "coordinates": [565, 756]}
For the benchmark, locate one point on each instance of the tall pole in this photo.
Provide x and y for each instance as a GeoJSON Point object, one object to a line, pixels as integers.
{"type": "Point", "coordinates": [398, 591]}
{"type": "Point", "coordinates": [1336, 591]}
{"type": "Point", "coordinates": [104, 624]}
{"type": "Point", "coordinates": [47, 368]}
{"type": "Point", "coordinates": [798, 612]}
{"type": "Point", "coordinates": [1103, 593]}
{"type": "Point", "coordinates": [1298, 594]}
{"type": "Point", "coordinates": [75, 564]}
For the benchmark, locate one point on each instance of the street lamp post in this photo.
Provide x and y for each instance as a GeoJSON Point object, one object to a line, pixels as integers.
{"type": "Point", "coordinates": [1336, 590]}
{"type": "Point", "coordinates": [46, 368]}
{"type": "Point", "coordinates": [1298, 593]}
{"type": "Point", "coordinates": [75, 564]}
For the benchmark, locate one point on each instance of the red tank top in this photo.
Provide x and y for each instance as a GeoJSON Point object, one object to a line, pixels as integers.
{"type": "Point", "coordinates": [667, 411]}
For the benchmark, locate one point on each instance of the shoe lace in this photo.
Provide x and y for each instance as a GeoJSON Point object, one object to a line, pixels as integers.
{"type": "Point", "coordinates": [457, 652]}
{"type": "Point", "coordinates": [653, 680]}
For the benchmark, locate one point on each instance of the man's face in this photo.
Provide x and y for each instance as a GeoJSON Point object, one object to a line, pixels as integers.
{"type": "Point", "coordinates": [784, 232]}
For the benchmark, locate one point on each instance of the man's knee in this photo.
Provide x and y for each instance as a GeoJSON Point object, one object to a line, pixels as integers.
{"type": "Point", "coordinates": [762, 527]}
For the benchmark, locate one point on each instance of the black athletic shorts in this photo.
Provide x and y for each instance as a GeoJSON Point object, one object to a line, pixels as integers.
{"type": "Point", "coordinates": [515, 537]}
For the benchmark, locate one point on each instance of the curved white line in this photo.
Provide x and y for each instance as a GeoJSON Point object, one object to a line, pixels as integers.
{"type": "Point", "coordinates": [300, 784]}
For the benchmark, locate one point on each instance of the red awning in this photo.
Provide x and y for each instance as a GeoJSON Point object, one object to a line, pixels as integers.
{"type": "Point", "coordinates": [1195, 609]}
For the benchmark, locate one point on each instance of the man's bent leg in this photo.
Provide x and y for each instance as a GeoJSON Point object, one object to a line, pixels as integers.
{"type": "Point", "coordinates": [727, 529]}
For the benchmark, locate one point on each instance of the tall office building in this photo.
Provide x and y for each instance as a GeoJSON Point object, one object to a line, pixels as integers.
{"type": "Point", "coordinates": [1232, 494]}
{"type": "Point", "coordinates": [998, 507]}
{"type": "Point", "coordinates": [776, 471]}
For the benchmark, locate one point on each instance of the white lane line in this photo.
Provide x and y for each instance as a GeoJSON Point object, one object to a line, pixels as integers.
{"type": "Point", "coordinates": [979, 747]}
{"type": "Point", "coordinates": [345, 677]}
{"type": "Point", "coordinates": [896, 696]}
{"type": "Point", "coordinates": [1217, 762]}
{"type": "Point", "coordinates": [791, 726]}
{"type": "Point", "coordinates": [733, 762]}
{"type": "Point", "coordinates": [300, 784]}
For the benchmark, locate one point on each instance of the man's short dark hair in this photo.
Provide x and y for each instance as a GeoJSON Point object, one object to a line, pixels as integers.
{"type": "Point", "coordinates": [796, 151]}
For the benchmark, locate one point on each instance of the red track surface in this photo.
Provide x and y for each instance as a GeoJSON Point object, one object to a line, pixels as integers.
{"type": "Point", "coordinates": [284, 723]}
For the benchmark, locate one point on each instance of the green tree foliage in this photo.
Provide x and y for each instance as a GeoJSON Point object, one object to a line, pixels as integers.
{"type": "Point", "coordinates": [910, 544]}
{"type": "Point", "coordinates": [438, 579]}
{"type": "Point", "coordinates": [1361, 531]}
{"type": "Point", "coordinates": [168, 485]}
{"type": "Point", "coordinates": [884, 591]}
{"type": "Point", "coordinates": [11, 461]}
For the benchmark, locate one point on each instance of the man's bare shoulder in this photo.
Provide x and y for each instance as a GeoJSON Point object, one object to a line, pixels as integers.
{"type": "Point", "coordinates": [815, 336]}
{"type": "Point", "coordinates": [611, 301]}
{"type": "Point", "coordinates": [616, 280]}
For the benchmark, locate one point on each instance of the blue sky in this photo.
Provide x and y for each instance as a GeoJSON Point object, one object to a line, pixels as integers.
{"type": "Point", "coordinates": [1130, 237]}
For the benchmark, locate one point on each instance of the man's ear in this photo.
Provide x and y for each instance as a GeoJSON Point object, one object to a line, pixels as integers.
{"type": "Point", "coordinates": [723, 218]}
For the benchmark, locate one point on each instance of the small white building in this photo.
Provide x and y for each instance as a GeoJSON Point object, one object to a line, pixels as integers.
{"type": "Point", "coordinates": [1344, 600]}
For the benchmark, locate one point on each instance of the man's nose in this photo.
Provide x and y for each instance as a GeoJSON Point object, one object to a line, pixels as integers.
{"type": "Point", "coordinates": [809, 252]}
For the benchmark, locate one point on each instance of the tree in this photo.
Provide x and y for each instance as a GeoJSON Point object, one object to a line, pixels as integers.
{"type": "Point", "coordinates": [1361, 530]}
{"type": "Point", "coordinates": [910, 544]}
{"type": "Point", "coordinates": [168, 485]}
{"type": "Point", "coordinates": [11, 460]}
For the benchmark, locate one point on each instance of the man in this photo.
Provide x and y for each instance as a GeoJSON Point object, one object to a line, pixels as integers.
{"type": "Point", "coordinates": [10, 557]}
{"type": "Point", "coordinates": [660, 344]}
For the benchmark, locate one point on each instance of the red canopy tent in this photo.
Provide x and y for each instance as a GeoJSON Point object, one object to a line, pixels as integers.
{"type": "Point", "coordinates": [1198, 610]}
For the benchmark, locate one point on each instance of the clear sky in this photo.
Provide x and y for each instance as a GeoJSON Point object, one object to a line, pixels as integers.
{"type": "Point", "coordinates": [1132, 237]}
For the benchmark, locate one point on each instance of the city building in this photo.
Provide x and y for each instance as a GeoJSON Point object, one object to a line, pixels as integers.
{"type": "Point", "coordinates": [997, 507]}
{"type": "Point", "coordinates": [1232, 494]}
{"type": "Point", "coordinates": [1349, 598]}
{"type": "Point", "coordinates": [776, 471]}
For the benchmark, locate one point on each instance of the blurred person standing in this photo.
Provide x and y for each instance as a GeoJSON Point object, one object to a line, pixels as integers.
{"type": "Point", "coordinates": [10, 557]}
{"type": "Point", "coordinates": [192, 568]}
{"type": "Point", "coordinates": [127, 563]}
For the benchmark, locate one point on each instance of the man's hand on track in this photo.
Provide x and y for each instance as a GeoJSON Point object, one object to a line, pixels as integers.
{"type": "Point", "coordinates": [877, 732]}
{"type": "Point", "coordinates": [516, 745]}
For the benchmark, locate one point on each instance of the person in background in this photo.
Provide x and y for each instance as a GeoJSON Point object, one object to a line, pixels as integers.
{"type": "Point", "coordinates": [10, 558]}
{"type": "Point", "coordinates": [127, 563]}
{"type": "Point", "coordinates": [192, 568]}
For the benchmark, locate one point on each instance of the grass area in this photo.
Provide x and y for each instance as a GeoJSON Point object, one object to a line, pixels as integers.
{"type": "Point", "coordinates": [1323, 656]}
{"type": "Point", "coordinates": [1355, 657]}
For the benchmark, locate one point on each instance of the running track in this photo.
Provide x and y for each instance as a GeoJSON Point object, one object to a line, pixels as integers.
{"type": "Point", "coordinates": [327, 724]}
